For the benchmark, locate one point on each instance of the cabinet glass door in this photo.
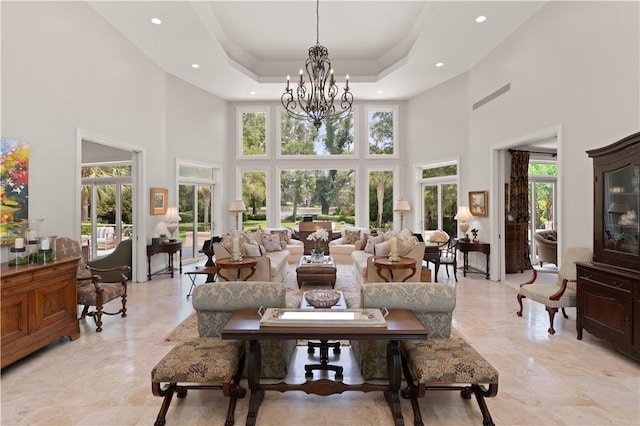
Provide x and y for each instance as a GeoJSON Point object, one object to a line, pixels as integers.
{"type": "Point", "coordinates": [621, 207]}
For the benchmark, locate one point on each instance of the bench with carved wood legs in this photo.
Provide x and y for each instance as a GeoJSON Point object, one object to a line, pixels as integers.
{"type": "Point", "coordinates": [447, 364]}
{"type": "Point", "coordinates": [200, 363]}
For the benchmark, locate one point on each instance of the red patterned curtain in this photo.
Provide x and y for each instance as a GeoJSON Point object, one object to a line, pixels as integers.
{"type": "Point", "coordinates": [519, 194]}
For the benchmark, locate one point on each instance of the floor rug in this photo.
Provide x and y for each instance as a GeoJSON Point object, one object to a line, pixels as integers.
{"type": "Point", "coordinates": [345, 281]}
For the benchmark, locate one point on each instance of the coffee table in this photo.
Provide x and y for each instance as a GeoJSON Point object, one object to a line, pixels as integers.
{"type": "Point", "coordinates": [308, 271]}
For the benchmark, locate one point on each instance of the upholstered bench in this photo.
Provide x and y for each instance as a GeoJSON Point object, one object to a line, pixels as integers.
{"type": "Point", "coordinates": [447, 363]}
{"type": "Point", "coordinates": [200, 363]}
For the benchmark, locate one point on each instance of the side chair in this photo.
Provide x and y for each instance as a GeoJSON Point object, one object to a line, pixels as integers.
{"type": "Point", "coordinates": [562, 293]}
{"type": "Point", "coordinates": [92, 291]}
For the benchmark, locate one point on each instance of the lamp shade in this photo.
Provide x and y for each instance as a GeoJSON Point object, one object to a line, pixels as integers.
{"type": "Point", "coordinates": [172, 214]}
{"type": "Point", "coordinates": [463, 213]}
{"type": "Point", "coordinates": [618, 208]}
{"type": "Point", "coordinates": [237, 206]}
{"type": "Point", "coordinates": [402, 206]}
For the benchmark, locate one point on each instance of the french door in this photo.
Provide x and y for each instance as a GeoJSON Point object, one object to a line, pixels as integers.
{"type": "Point", "coordinates": [195, 203]}
{"type": "Point", "coordinates": [439, 206]}
{"type": "Point", "coordinates": [106, 203]}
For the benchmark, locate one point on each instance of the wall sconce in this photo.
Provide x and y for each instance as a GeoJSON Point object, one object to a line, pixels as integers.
{"type": "Point", "coordinates": [402, 206]}
{"type": "Point", "coordinates": [172, 219]}
{"type": "Point", "coordinates": [463, 215]}
{"type": "Point", "coordinates": [237, 207]}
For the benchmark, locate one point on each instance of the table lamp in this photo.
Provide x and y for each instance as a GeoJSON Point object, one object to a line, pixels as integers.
{"type": "Point", "coordinates": [462, 217]}
{"type": "Point", "coordinates": [237, 207]}
{"type": "Point", "coordinates": [402, 206]}
{"type": "Point", "coordinates": [172, 219]}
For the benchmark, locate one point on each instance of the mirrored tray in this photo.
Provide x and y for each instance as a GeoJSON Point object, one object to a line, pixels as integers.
{"type": "Point", "coordinates": [322, 317]}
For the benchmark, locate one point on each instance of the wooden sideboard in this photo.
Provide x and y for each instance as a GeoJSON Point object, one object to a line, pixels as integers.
{"type": "Point", "coordinates": [39, 306]}
{"type": "Point", "coordinates": [515, 245]}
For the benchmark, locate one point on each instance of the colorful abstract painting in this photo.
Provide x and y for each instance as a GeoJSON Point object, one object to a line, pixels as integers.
{"type": "Point", "coordinates": [14, 189]}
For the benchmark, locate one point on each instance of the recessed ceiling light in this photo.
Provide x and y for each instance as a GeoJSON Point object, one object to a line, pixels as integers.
{"type": "Point", "coordinates": [253, 92]}
{"type": "Point", "coordinates": [195, 66]}
{"type": "Point", "coordinates": [439, 64]}
{"type": "Point", "coordinates": [380, 91]}
{"type": "Point", "coordinates": [481, 18]}
{"type": "Point", "coordinates": [156, 21]}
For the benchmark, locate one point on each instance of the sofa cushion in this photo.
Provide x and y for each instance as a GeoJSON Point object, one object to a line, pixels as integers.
{"type": "Point", "coordinates": [371, 243]}
{"type": "Point", "coordinates": [284, 233]}
{"type": "Point", "coordinates": [351, 236]}
{"type": "Point", "coordinates": [383, 248]}
{"type": "Point", "coordinates": [271, 242]}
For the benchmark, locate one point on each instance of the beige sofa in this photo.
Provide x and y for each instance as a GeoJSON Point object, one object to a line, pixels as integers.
{"type": "Point", "coordinates": [341, 248]}
{"type": "Point", "coordinates": [272, 266]}
{"type": "Point", "coordinates": [362, 260]}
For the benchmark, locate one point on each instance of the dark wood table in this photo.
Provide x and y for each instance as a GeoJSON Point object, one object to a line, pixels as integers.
{"type": "Point", "coordinates": [383, 262]}
{"type": "Point", "coordinates": [170, 248]}
{"type": "Point", "coordinates": [316, 272]}
{"type": "Point", "coordinates": [468, 246]}
{"type": "Point", "coordinates": [228, 263]}
{"type": "Point", "coordinates": [401, 324]}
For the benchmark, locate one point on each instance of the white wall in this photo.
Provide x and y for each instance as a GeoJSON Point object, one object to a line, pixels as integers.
{"type": "Point", "coordinates": [63, 68]}
{"type": "Point", "coordinates": [574, 65]}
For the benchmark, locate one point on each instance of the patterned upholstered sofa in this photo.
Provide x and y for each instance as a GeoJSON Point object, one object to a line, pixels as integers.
{"type": "Point", "coordinates": [444, 361]}
{"type": "Point", "coordinates": [215, 302]}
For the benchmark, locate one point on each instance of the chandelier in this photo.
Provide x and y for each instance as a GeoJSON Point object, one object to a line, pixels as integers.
{"type": "Point", "coordinates": [316, 103]}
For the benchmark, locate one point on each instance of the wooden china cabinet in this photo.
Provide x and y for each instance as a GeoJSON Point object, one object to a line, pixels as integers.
{"type": "Point", "coordinates": [609, 287]}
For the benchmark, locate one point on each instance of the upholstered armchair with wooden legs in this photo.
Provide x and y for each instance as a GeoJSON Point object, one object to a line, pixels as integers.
{"type": "Point", "coordinates": [562, 293]}
{"type": "Point", "coordinates": [92, 291]}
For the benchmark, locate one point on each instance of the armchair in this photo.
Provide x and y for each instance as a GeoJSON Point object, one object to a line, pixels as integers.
{"type": "Point", "coordinates": [547, 246]}
{"type": "Point", "coordinates": [562, 293]}
{"type": "Point", "coordinates": [121, 256]}
{"type": "Point", "coordinates": [92, 291]}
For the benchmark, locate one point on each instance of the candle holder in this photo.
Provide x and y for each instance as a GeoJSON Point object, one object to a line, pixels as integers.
{"type": "Point", "coordinates": [236, 254]}
{"type": "Point", "coordinates": [47, 249]}
{"type": "Point", "coordinates": [19, 256]}
{"type": "Point", "coordinates": [393, 248]}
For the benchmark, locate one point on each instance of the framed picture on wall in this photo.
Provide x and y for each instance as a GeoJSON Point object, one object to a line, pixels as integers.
{"type": "Point", "coordinates": [159, 200]}
{"type": "Point", "coordinates": [478, 203]}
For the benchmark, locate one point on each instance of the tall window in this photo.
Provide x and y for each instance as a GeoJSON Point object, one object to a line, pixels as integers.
{"type": "Point", "coordinates": [254, 195]}
{"type": "Point", "coordinates": [381, 128]}
{"type": "Point", "coordinates": [195, 206]}
{"type": "Point", "coordinates": [300, 137]}
{"type": "Point", "coordinates": [322, 194]}
{"type": "Point", "coordinates": [380, 198]}
{"type": "Point", "coordinates": [253, 128]}
{"type": "Point", "coordinates": [440, 197]}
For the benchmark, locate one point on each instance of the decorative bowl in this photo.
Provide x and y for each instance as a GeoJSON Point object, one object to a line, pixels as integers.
{"type": "Point", "coordinates": [322, 298]}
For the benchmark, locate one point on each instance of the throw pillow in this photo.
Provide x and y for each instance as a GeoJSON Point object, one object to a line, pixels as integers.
{"type": "Point", "coordinates": [271, 242]}
{"type": "Point", "coordinates": [252, 249]}
{"type": "Point", "coordinates": [383, 249]}
{"type": "Point", "coordinates": [350, 237]}
{"type": "Point", "coordinates": [405, 235]}
{"type": "Point", "coordinates": [371, 243]}
{"type": "Point", "coordinates": [284, 234]}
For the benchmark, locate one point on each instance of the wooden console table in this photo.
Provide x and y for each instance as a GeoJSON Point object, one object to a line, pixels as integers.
{"type": "Point", "coordinates": [170, 248]}
{"type": "Point", "coordinates": [401, 324]}
{"type": "Point", "coordinates": [39, 306]}
{"type": "Point", "coordinates": [465, 247]}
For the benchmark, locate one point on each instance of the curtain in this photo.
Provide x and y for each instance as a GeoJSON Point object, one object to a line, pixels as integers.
{"type": "Point", "coordinates": [519, 195]}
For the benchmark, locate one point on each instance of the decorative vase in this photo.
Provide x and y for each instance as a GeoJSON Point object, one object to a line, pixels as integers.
{"type": "Point", "coordinates": [317, 255]}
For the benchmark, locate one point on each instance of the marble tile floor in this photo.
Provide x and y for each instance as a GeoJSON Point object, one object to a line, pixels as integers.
{"type": "Point", "coordinates": [104, 378]}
